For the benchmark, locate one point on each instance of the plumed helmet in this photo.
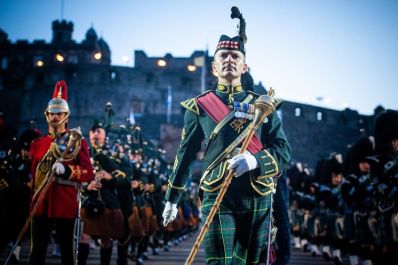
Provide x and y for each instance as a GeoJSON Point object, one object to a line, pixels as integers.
{"type": "Point", "coordinates": [59, 102]}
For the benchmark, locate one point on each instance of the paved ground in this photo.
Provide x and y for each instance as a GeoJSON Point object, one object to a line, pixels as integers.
{"type": "Point", "coordinates": [176, 256]}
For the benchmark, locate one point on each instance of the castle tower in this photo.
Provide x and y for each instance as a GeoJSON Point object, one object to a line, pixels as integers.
{"type": "Point", "coordinates": [62, 32]}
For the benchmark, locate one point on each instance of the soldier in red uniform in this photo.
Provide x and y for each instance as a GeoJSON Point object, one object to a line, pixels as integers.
{"type": "Point", "coordinates": [59, 207]}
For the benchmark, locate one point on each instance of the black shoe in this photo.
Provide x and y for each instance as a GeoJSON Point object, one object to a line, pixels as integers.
{"type": "Point", "coordinates": [326, 256]}
{"type": "Point", "coordinates": [155, 251]}
{"type": "Point", "coordinates": [140, 261]}
{"type": "Point", "coordinates": [13, 259]}
{"type": "Point", "coordinates": [305, 248]}
{"type": "Point", "coordinates": [337, 261]}
{"type": "Point", "coordinates": [132, 257]}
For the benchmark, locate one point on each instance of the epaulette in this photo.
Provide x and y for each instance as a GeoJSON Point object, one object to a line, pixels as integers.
{"type": "Point", "coordinates": [191, 104]}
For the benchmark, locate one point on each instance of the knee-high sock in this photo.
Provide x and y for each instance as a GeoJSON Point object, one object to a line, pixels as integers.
{"type": "Point", "coordinates": [84, 250]}
{"type": "Point", "coordinates": [106, 254]}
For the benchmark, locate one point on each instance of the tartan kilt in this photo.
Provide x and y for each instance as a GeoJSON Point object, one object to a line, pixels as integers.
{"type": "Point", "coordinates": [311, 226]}
{"type": "Point", "coordinates": [224, 243]}
{"type": "Point", "coordinates": [192, 220]}
{"type": "Point", "coordinates": [384, 228]}
{"type": "Point", "coordinates": [110, 224]}
{"type": "Point", "coordinates": [181, 218]}
{"type": "Point", "coordinates": [349, 224]}
{"type": "Point", "coordinates": [335, 226]}
{"type": "Point", "coordinates": [149, 220]}
{"type": "Point", "coordinates": [323, 216]}
{"type": "Point", "coordinates": [362, 233]}
{"type": "Point", "coordinates": [153, 225]}
{"type": "Point", "coordinates": [171, 227]}
{"type": "Point", "coordinates": [135, 225]}
{"type": "Point", "coordinates": [295, 221]}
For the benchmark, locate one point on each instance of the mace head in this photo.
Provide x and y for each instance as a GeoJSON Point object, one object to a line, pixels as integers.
{"type": "Point", "coordinates": [264, 106]}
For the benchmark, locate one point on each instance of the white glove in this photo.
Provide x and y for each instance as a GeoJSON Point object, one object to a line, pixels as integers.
{"type": "Point", "coordinates": [242, 163]}
{"type": "Point", "coordinates": [169, 213]}
{"type": "Point", "coordinates": [58, 168]}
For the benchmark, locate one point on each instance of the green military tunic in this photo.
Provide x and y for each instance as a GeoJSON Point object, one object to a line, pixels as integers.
{"type": "Point", "coordinates": [247, 200]}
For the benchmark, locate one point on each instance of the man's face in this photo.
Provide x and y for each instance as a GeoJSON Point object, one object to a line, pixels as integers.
{"type": "Point", "coordinates": [229, 64]}
{"type": "Point", "coordinates": [337, 179]}
{"type": "Point", "coordinates": [364, 167]}
{"type": "Point", "coordinates": [55, 118]}
{"type": "Point", "coordinates": [97, 137]}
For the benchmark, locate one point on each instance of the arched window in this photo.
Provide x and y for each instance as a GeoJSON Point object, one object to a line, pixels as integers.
{"type": "Point", "coordinates": [319, 116]}
{"type": "Point", "coordinates": [297, 112]}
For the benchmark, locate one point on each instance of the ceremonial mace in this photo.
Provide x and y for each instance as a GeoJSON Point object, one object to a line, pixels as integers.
{"type": "Point", "coordinates": [264, 105]}
{"type": "Point", "coordinates": [75, 136]}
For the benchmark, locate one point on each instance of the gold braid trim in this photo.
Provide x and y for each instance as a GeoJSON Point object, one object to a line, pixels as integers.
{"type": "Point", "coordinates": [118, 173]}
{"type": "Point", "coordinates": [176, 187]}
{"type": "Point", "coordinates": [272, 172]}
{"type": "Point", "coordinates": [213, 189]}
{"type": "Point", "coordinates": [43, 169]}
{"type": "Point", "coordinates": [271, 187]}
{"type": "Point", "coordinates": [191, 104]}
{"type": "Point", "coordinates": [67, 157]}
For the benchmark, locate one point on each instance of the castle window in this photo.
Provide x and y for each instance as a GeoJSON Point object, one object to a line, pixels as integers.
{"type": "Point", "coordinates": [38, 61]}
{"type": "Point", "coordinates": [97, 56]}
{"type": "Point", "coordinates": [319, 116]}
{"type": "Point", "coordinates": [297, 112]}
{"type": "Point", "coordinates": [113, 75]}
{"type": "Point", "coordinates": [59, 57]}
{"type": "Point", "coordinates": [191, 68]}
{"type": "Point", "coordinates": [137, 107]}
{"type": "Point", "coordinates": [161, 63]}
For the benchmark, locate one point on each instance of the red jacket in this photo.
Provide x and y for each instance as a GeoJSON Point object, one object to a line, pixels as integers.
{"type": "Point", "coordinates": [61, 200]}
